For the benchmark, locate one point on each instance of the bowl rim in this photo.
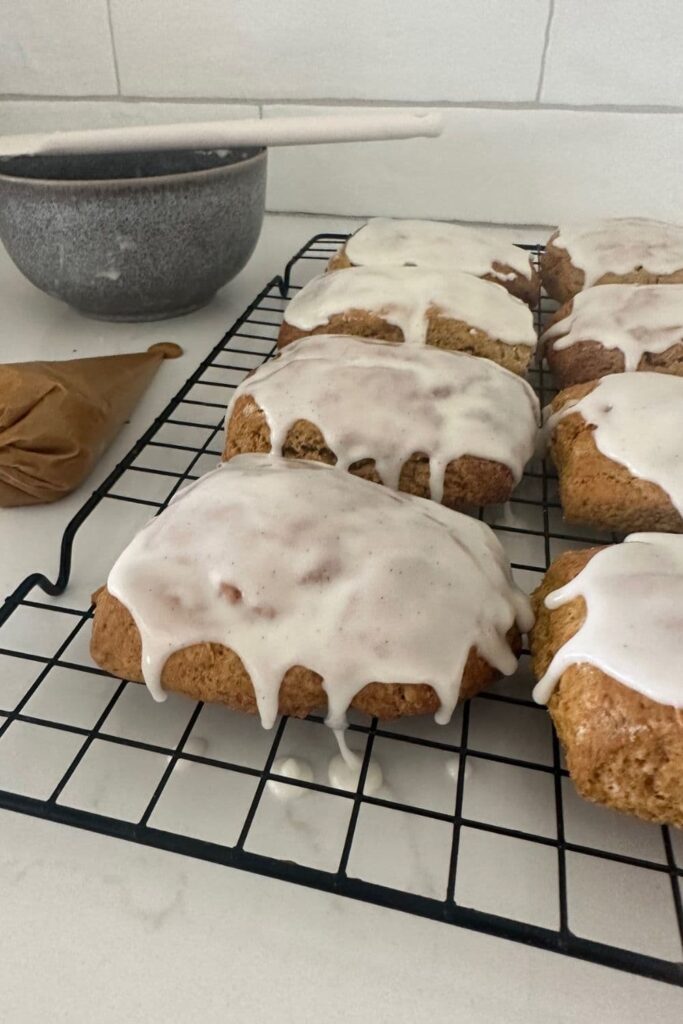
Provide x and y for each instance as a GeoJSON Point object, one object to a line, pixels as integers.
{"type": "Point", "coordinates": [154, 179]}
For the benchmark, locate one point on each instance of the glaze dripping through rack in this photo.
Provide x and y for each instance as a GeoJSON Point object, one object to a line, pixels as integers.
{"type": "Point", "coordinates": [483, 825]}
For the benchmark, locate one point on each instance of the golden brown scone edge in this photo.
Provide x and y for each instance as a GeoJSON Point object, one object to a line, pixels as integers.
{"type": "Point", "coordinates": [563, 280]}
{"type": "Point", "coordinates": [468, 480]}
{"type": "Point", "coordinates": [442, 332]}
{"type": "Point", "coordinates": [594, 489]}
{"type": "Point", "coordinates": [589, 359]}
{"type": "Point", "coordinates": [215, 674]}
{"type": "Point", "coordinates": [525, 288]}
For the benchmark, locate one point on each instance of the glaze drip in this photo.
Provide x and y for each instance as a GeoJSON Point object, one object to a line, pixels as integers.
{"type": "Point", "coordinates": [406, 297]}
{"type": "Point", "coordinates": [344, 770]}
{"type": "Point", "coordinates": [373, 399]}
{"type": "Point", "coordinates": [638, 419]}
{"type": "Point", "coordinates": [633, 630]}
{"type": "Point", "coordinates": [621, 245]}
{"type": "Point", "coordinates": [431, 243]}
{"type": "Point", "coordinates": [636, 319]}
{"type": "Point", "coordinates": [295, 563]}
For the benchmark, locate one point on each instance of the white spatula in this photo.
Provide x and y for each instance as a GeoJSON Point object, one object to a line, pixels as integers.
{"type": "Point", "coordinates": [285, 131]}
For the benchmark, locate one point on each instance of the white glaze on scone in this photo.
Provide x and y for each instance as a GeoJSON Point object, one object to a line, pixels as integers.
{"type": "Point", "coordinates": [296, 563]}
{"type": "Point", "coordinates": [621, 245]}
{"type": "Point", "coordinates": [405, 296]}
{"type": "Point", "coordinates": [633, 630]}
{"type": "Point", "coordinates": [636, 319]}
{"type": "Point", "coordinates": [379, 400]}
{"type": "Point", "coordinates": [638, 419]}
{"type": "Point", "coordinates": [431, 243]}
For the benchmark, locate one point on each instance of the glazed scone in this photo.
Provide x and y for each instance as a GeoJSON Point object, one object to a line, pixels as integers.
{"type": "Point", "coordinates": [616, 443]}
{"type": "Point", "coordinates": [622, 250]}
{"type": "Point", "coordinates": [271, 585]}
{"type": "Point", "coordinates": [383, 242]}
{"type": "Point", "coordinates": [418, 306]}
{"type": "Point", "coordinates": [607, 646]}
{"type": "Point", "coordinates": [616, 328]}
{"type": "Point", "coordinates": [436, 424]}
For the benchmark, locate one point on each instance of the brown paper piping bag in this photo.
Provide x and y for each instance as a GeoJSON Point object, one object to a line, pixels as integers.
{"type": "Point", "coordinates": [57, 418]}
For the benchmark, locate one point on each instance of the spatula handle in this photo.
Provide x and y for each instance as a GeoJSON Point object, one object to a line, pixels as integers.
{"type": "Point", "coordinates": [276, 131]}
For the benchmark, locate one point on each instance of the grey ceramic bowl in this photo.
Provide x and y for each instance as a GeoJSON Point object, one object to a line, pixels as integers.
{"type": "Point", "coordinates": [133, 236]}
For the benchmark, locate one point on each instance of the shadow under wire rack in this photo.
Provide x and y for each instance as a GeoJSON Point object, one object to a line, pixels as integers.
{"type": "Point", "coordinates": [477, 824]}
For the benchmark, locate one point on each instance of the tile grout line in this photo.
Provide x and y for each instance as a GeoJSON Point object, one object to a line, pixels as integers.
{"type": "Point", "coordinates": [544, 54]}
{"type": "Point", "coordinates": [114, 54]}
{"type": "Point", "coordinates": [544, 229]}
{"type": "Point", "coordinates": [530, 106]}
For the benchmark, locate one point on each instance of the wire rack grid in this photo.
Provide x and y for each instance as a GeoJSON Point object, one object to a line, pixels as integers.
{"type": "Point", "coordinates": [477, 823]}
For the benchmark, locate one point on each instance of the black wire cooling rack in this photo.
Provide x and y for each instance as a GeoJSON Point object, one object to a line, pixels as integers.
{"type": "Point", "coordinates": [477, 824]}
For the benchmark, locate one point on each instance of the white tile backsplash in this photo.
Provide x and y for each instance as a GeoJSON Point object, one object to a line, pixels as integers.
{"type": "Point", "coordinates": [51, 115]}
{"type": "Point", "coordinates": [555, 111]}
{"type": "Point", "coordinates": [506, 166]}
{"type": "Point", "coordinates": [56, 48]}
{"type": "Point", "coordinates": [615, 52]}
{"type": "Point", "coordinates": [386, 50]}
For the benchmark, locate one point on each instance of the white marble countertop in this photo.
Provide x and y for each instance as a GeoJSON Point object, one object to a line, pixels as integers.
{"type": "Point", "coordinates": [96, 929]}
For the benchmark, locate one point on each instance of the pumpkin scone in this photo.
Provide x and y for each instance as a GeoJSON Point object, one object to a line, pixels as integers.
{"type": "Point", "coordinates": [282, 586]}
{"type": "Point", "coordinates": [607, 647]}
